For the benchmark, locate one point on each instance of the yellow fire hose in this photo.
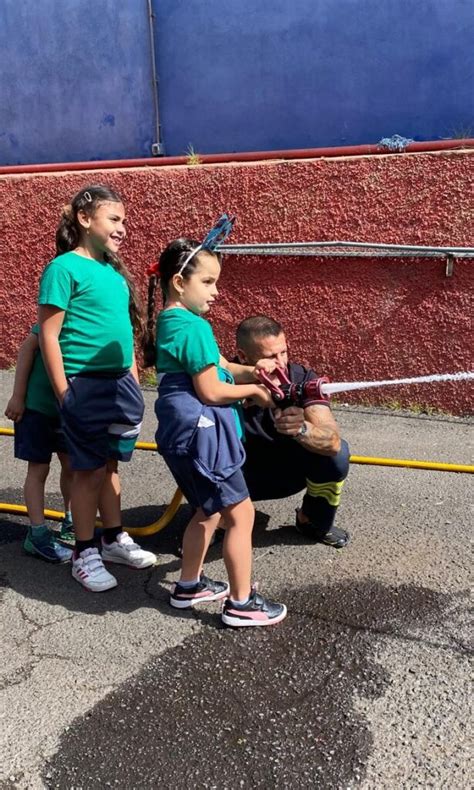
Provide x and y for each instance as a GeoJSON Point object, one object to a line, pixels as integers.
{"type": "Point", "coordinates": [173, 506]}
{"type": "Point", "coordinates": [56, 515]}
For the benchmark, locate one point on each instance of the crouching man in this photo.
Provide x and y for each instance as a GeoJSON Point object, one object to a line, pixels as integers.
{"type": "Point", "coordinates": [293, 448]}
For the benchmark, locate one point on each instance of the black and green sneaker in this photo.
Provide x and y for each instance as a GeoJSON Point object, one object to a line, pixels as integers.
{"type": "Point", "coordinates": [66, 534]}
{"type": "Point", "coordinates": [42, 543]}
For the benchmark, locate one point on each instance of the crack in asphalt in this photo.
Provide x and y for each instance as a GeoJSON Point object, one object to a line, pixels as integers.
{"type": "Point", "coordinates": [20, 676]}
{"type": "Point", "coordinates": [461, 648]}
{"type": "Point", "coordinates": [23, 674]}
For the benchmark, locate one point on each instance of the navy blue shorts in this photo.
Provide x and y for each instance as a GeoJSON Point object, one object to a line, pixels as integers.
{"type": "Point", "coordinates": [38, 436]}
{"type": "Point", "coordinates": [101, 418]}
{"type": "Point", "coordinates": [204, 493]}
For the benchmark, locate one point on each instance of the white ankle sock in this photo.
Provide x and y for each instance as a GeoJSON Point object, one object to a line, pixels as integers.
{"type": "Point", "coordinates": [240, 603]}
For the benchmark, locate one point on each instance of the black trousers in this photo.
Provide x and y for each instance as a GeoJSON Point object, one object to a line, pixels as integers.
{"type": "Point", "coordinates": [275, 470]}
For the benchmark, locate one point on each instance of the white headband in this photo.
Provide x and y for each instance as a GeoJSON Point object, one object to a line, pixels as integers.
{"type": "Point", "coordinates": [190, 257]}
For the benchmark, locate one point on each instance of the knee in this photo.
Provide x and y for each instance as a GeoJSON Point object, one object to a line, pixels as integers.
{"type": "Point", "coordinates": [247, 512]}
{"type": "Point", "coordinates": [341, 461]}
{"type": "Point", "coordinates": [329, 467]}
{"type": "Point", "coordinates": [92, 478]}
{"type": "Point", "coordinates": [241, 515]}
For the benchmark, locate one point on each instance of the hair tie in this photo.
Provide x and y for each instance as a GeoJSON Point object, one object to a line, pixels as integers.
{"type": "Point", "coordinates": [67, 211]}
{"type": "Point", "coordinates": [154, 270]}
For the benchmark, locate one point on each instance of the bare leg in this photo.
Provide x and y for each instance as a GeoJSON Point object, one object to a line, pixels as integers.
{"type": "Point", "coordinates": [237, 547]}
{"type": "Point", "coordinates": [86, 487]}
{"type": "Point", "coordinates": [109, 500]}
{"type": "Point", "coordinates": [196, 540]}
{"type": "Point", "coordinates": [65, 480]}
{"type": "Point", "coordinates": [34, 491]}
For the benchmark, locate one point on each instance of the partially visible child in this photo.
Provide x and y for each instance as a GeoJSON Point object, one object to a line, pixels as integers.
{"type": "Point", "coordinates": [199, 432]}
{"type": "Point", "coordinates": [88, 310]}
{"type": "Point", "coordinates": [38, 435]}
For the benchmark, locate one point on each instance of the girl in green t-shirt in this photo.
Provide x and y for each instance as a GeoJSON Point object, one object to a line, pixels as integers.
{"type": "Point", "coordinates": [88, 311]}
{"type": "Point", "coordinates": [199, 431]}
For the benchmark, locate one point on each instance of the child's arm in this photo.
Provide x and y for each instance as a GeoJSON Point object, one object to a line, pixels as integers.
{"type": "Point", "coordinates": [218, 393]}
{"type": "Point", "coordinates": [134, 370]}
{"type": "Point", "coordinates": [24, 363]}
{"type": "Point", "coordinates": [247, 374]}
{"type": "Point", "coordinates": [51, 320]}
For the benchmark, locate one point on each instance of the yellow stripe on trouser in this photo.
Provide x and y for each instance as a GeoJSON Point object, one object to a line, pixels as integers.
{"type": "Point", "coordinates": [329, 491]}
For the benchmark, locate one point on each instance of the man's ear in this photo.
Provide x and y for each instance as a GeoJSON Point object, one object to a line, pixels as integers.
{"type": "Point", "coordinates": [242, 357]}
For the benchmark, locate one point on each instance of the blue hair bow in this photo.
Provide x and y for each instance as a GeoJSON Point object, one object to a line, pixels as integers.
{"type": "Point", "coordinates": [216, 236]}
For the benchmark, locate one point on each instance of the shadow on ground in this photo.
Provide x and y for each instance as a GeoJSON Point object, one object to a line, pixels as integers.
{"type": "Point", "coordinates": [35, 579]}
{"type": "Point", "coordinates": [184, 721]}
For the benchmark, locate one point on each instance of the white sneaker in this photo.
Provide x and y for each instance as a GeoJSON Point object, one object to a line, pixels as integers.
{"type": "Point", "coordinates": [88, 569]}
{"type": "Point", "coordinates": [126, 552]}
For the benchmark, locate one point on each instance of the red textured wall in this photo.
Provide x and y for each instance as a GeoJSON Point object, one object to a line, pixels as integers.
{"type": "Point", "coordinates": [350, 319]}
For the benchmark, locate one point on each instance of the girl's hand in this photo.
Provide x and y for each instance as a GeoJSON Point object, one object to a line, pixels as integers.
{"type": "Point", "coordinates": [61, 396]}
{"type": "Point", "coordinates": [261, 398]}
{"type": "Point", "coordinates": [15, 408]}
{"type": "Point", "coordinates": [264, 365]}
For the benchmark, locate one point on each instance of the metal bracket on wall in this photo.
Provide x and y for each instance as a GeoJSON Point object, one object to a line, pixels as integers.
{"type": "Point", "coordinates": [449, 265]}
{"type": "Point", "coordinates": [351, 249]}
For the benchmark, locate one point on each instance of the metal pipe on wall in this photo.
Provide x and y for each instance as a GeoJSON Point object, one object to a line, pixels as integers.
{"type": "Point", "coordinates": [157, 148]}
{"type": "Point", "coordinates": [245, 156]}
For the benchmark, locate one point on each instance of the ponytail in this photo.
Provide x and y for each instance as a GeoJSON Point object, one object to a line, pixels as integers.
{"type": "Point", "coordinates": [67, 233]}
{"type": "Point", "coordinates": [134, 305]}
{"type": "Point", "coordinates": [148, 345]}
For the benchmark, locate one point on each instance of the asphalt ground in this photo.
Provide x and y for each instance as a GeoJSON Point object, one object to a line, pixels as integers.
{"type": "Point", "coordinates": [364, 685]}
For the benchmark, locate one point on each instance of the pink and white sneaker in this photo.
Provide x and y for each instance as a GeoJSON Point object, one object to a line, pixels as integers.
{"type": "Point", "coordinates": [88, 569]}
{"type": "Point", "coordinates": [125, 551]}
{"type": "Point", "coordinates": [257, 611]}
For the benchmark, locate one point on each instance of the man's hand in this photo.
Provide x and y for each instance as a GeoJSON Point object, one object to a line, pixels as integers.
{"type": "Point", "coordinates": [15, 408]}
{"type": "Point", "coordinates": [289, 421]}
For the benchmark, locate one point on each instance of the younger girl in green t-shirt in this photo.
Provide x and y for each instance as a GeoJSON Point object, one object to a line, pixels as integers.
{"type": "Point", "coordinates": [199, 431]}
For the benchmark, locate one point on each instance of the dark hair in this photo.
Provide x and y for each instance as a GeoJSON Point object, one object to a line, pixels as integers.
{"type": "Point", "coordinates": [254, 327]}
{"type": "Point", "coordinates": [171, 260]}
{"type": "Point", "coordinates": [68, 236]}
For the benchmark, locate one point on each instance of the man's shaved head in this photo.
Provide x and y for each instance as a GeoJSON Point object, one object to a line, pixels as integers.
{"type": "Point", "coordinates": [255, 328]}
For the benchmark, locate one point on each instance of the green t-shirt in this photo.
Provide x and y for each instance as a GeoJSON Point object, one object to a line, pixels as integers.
{"type": "Point", "coordinates": [185, 343]}
{"type": "Point", "coordinates": [97, 333]}
{"type": "Point", "coordinates": [39, 393]}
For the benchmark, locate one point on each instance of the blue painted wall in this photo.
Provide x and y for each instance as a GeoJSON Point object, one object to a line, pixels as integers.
{"type": "Point", "coordinates": [235, 75]}
{"type": "Point", "coordinates": [76, 80]}
{"type": "Point", "coordinates": [240, 75]}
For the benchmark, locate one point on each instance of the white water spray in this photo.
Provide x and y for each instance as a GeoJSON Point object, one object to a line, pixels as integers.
{"type": "Point", "coordinates": [346, 386]}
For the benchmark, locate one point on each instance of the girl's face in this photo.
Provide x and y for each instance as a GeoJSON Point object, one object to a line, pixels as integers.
{"type": "Point", "coordinates": [105, 228]}
{"type": "Point", "coordinates": [199, 291]}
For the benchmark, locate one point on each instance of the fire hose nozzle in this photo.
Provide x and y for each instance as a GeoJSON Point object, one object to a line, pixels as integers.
{"type": "Point", "coordinates": [287, 394]}
{"type": "Point", "coordinates": [313, 392]}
